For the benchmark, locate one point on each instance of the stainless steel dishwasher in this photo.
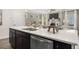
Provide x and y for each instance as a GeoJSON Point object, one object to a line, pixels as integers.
{"type": "Point", "coordinates": [40, 43]}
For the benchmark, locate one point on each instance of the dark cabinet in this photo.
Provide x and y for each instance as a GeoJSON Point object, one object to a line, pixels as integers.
{"type": "Point", "coordinates": [22, 40]}
{"type": "Point", "coordinates": [61, 45]}
{"type": "Point", "coordinates": [26, 43]}
{"type": "Point", "coordinates": [12, 37]}
{"type": "Point", "coordinates": [19, 40]}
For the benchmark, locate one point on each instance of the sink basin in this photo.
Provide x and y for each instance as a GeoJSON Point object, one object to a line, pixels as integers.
{"type": "Point", "coordinates": [30, 29]}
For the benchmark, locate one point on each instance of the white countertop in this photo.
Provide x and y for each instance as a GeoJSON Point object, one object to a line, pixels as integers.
{"type": "Point", "coordinates": [65, 35]}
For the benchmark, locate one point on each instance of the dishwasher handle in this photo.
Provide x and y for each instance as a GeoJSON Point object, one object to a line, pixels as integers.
{"type": "Point", "coordinates": [40, 39]}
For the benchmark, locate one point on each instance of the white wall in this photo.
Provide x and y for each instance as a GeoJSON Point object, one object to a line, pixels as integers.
{"type": "Point", "coordinates": [38, 11]}
{"type": "Point", "coordinates": [11, 17]}
{"type": "Point", "coordinates": [19, 17]}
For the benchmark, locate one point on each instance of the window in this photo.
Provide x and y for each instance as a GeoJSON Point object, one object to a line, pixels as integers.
{"type": "Point", "coordinates": [70, 17]}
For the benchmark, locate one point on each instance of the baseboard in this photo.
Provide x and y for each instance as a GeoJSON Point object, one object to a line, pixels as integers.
{"type": "Point", "coordinates": [5, 37]}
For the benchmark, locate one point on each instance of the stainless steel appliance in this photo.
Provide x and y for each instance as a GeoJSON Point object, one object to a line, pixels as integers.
{"type": "Point", "coordinates": [40, 43]}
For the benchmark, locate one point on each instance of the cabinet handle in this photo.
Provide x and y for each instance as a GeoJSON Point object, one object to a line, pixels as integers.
{"type": "Point", "coordinates": [37, 39]}
{"type": "Point", "coordinates": [40, 39]}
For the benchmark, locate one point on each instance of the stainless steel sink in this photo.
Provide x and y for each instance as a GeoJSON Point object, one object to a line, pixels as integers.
{"type": "Point", "coordinates": [30, 29]}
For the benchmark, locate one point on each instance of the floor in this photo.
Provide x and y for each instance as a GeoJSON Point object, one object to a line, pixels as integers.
{"type": "Point", "coordinates": [4, 44]}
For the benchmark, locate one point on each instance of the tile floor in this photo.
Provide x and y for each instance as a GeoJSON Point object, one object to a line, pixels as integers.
{"type": "Point", "coordinates": [4, 44]}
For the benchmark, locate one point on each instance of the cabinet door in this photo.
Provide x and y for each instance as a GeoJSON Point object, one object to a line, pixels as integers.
{"type": "Point", "coordinates": [12, 37]}
{"type": "Point", "coordinates": [18, 40]}
{"type": "Point", "coordinates": [60, 45]}
{"type": "Point", "coordinates": [22, 40]}
{"type": "Point", "coordinates": [26, 43]}
{"type": "Point", "coordinates": [25, 40]}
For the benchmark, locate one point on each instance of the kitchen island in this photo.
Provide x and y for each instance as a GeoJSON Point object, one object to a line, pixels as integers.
{"type": "Point", "coordinates": [20, 38]}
